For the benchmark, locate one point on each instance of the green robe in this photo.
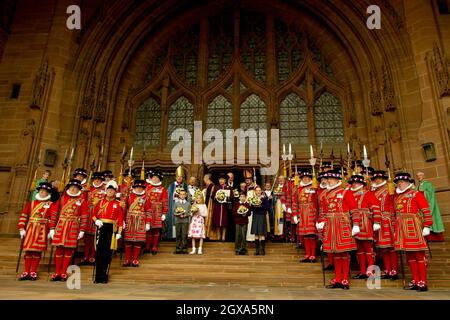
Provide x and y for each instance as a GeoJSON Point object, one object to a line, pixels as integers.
{"type": "Point", "coordinates": [427, 188]}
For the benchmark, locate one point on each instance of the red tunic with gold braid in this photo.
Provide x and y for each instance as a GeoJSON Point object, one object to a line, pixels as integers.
{"type": "Point", "coordinates": [338, 206]}
{"type": "Point", "coordinates": [94, 196]}
{"type": "Point", "coordinates": [69, 219]}
{"type": "Point", "coordinates": [412, 214]}
{"type": "Point", "coordinates": [136, 217]}
{"type": "Point", "coordinates": [304, 207]}
{"type": "Point", "coordinates": [385, 236]}
{"type": "Point", "coordinates": [109, 211]}
{"type": "Point", "coordinates": [159, 204]}
{"type": "Point", "coordinates": [34, 219]}
{"type": "Point", "coordinates": [369, 213]}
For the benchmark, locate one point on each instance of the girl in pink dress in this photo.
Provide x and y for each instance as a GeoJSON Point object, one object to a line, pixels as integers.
{"type": "Point", "coordinates": [199, 213]}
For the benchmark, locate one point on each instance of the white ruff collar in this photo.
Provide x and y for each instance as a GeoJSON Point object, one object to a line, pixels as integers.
{"type": "Point", "coordinates": [407, 188]}
{"type": "Point", "coordinates": [374, 185]}
{"type": "Point", "coordinates": [38, 197]}
{"type": "Point", "coordinates": [305, 184]}
{"type": "Point", "coordinates": [73, 195]}
{"type": "Point", "coordinates": [323, 185]}
{"type": "Point", "coordinates": [335, 186]}
{"type": "Point", "coordinates": [357, 188]}
{"type": "Point", "coordinates": [98, 186]}
{"type": "Point", "coordinates": [153, 184]}
{"type": "Point", "coordinates": [84, 181]}
{"type": "Point", "coordinates": [139, 194]}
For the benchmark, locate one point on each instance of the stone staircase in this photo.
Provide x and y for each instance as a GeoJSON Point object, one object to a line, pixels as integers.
{"type": "Point", "coordinates": [219, 265]}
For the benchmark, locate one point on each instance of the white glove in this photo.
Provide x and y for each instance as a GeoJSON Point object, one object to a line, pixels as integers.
{"type": "Point", "coordinates": [99, 223]}
{"type": "Point", "coordinates": [118, 194]}
{"type": "Point", "coordinates": [289, 210]}
{"type": "Point", "coordinates": [376, 227]}
{"type": "Point", "coordinates": [355, 230]}
{"type": "Point", "coordinates": [124, 225]}
{"type": "Point", "coordinates": [426, 231]}
{"type": "Point", "coordinates": [80, 235]}
{"type": "Point", "coordinates": [320, 226]}
{"type": "Point", "coordinates": [118, 236]}
{"type": "Point", "coordinates": [147, 227]}
{"type": "Point", "coordinates": [295, 220]}
{"type": "Point", "coordinates": [163, 217]}
{"type": "Point", "coordinates": [284, 207]}
{"type": "Point", "coordinates": [22, 233]}
{"type": "Point", "coordinates": [51, 233]}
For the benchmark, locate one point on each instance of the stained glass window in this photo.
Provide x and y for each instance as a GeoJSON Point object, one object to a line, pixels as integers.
{"type": "Point", "coordinates": [148, 123]}
{"type": "Point", "coordinates": [220, 114]}
{"type": "Point", "coordinates": [293, 120]}
{"type": "Point", "coordinates": [220, 45]}
{"type": "Point", "coordinates": [253, 44]}
{"type": "Point", "coordinates": [253, 113]}
{"type": "Point", "coordinates": [181, 116]}
{"type": "Point", "coordinates": [185, 51]}
{"type": "Point", "coordinates": [289, 53]}
{"type": "Point", "coordinates": [328, 119]}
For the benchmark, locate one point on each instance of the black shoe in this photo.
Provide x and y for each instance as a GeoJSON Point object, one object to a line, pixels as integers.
{"type": "Point", "coordinates": [345, 287]}
{"type": "Point", "coordinates": [177, 252]}
{"type": "Point", "coordinates": [84, 262]}
{"type": "Point", "coordinates": [305, 260]}
{"type": "Point", "coordinates": [385, 276]}
{"type": "Point", "coordinates": [334, 286]}
{"type": "Point", "coordinates": [412, 286]}
{"type": "Point", "coordinates": [263, 247]}
{"type": "Point", "coordinates": [154, 252]}
{"type": "Point", "coordinates": [423, 288]}
{"type": "Point", "coordinates": [358, 276]}
{"type": "Point", "coordinates": [257, 247]}
{"type": "Point", "coordinates": [147, 251]}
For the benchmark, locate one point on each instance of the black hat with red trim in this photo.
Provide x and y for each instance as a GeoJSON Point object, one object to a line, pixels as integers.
{"type": "Point", "coordinates": [358, 178]}
{"type": "Point", "coordinates": [76, 183]}
{"type": "Point", "coordinates": [44, 185]}
{"type": "Point", "coordinates": [139, 183]}
{"type": "Point", "coordinates": [80, 171]}
{"type": "Point", "coordinates": [98, 175]}
{"type": "Point", "coordinates": [108, 174]}
{"type": "Point", "coordinates": [403, 176]}
{"type": "Point", "coordinates": [379, 174]}
{"type": "Point", "coordinates": [336, 174]}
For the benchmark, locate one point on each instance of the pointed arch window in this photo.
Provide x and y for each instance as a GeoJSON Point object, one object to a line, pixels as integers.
{"type": "Point", "coordinates": [328, 119]}
{"type": "Point", "coordinates": [148, 123]}
{"type": "Point", "coordinates": [294, 120]}
{"type": "Point", "coordinates": [253, 113]}
{"type": "Point", "coordinates": [181, 116]}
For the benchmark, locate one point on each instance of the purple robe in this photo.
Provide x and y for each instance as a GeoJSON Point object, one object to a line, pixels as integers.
{"type": "Point", "coordinates": [220, 213]}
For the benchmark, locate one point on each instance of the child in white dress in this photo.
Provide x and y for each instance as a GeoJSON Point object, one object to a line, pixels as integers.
{"type": "Point", "coordinates": [199, 213]}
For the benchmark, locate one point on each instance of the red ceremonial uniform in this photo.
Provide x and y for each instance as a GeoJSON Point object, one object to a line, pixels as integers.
{"type": "Point", "coordinates": [159, 206]}
{"type": "Point", "coordinates": [94, 196]}
{"type": "Point", "coordinates": [305, 208]}
{"type": "Point", "coordinates": [385, 238]}
{"type": "Point", "coordinates": [369, 213]}
{"type": "Point", "coordinates": [338, 206]}
{"type": "Point", "coordinates": [137, 216]}
{"type": "Point", "coordinates": [412, 214]}
{"type": "Point", "coordinates": [109, 211]}
{"type": "Point", "coordinates": [69, 219]}
{"type": "Point", "coordinates": [34, 219]}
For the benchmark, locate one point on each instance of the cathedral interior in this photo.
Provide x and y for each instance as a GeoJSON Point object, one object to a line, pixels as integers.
{"type": "Point", "coordinates": [138, 70]}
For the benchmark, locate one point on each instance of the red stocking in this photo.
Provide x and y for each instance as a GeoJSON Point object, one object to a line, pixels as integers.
{"type": "Point", "coordinates": [337, 267]}
{"type": "Point", "coordinates": [411, 257]}
{"type": "Point", "coordinates": [68, 254]}
{"type": "Point", "coordinates": [394, 263]}
{"type": "Point", "coordinates": [28, 261]}
{"type": "Point", "coordinates": [306, 244]}
{"type": "Point", "coordinates": [420, 258]}
{"type": "Point", "coordinates": [59, 255]}
{"type": "Point", "coordinates": [345, 265]}
{"type": "Point", "coordinates": [136, 252]}
{"type": "Point", "coordinates": [330, 258]}
{"type": "Point", "coordinates": [36, 260]}
{"type": "Point", "coordinates": [155, 239]}
{"type": "Point", "coordinates": [148, 240]}
{"type": "Point", "coordinates": [387, 261]}
{"type": "Point", "coordinates": [128, 251]}
{"type": "Point", "coordinates": [313, 246]}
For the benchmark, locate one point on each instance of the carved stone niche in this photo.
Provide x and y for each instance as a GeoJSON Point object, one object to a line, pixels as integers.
{"type": "Point", "coordinates": [375, 96]}
{"type": "Point", "coordinates": [440, 65]}
{"type": "Point", "coordinates": [394, 131]}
